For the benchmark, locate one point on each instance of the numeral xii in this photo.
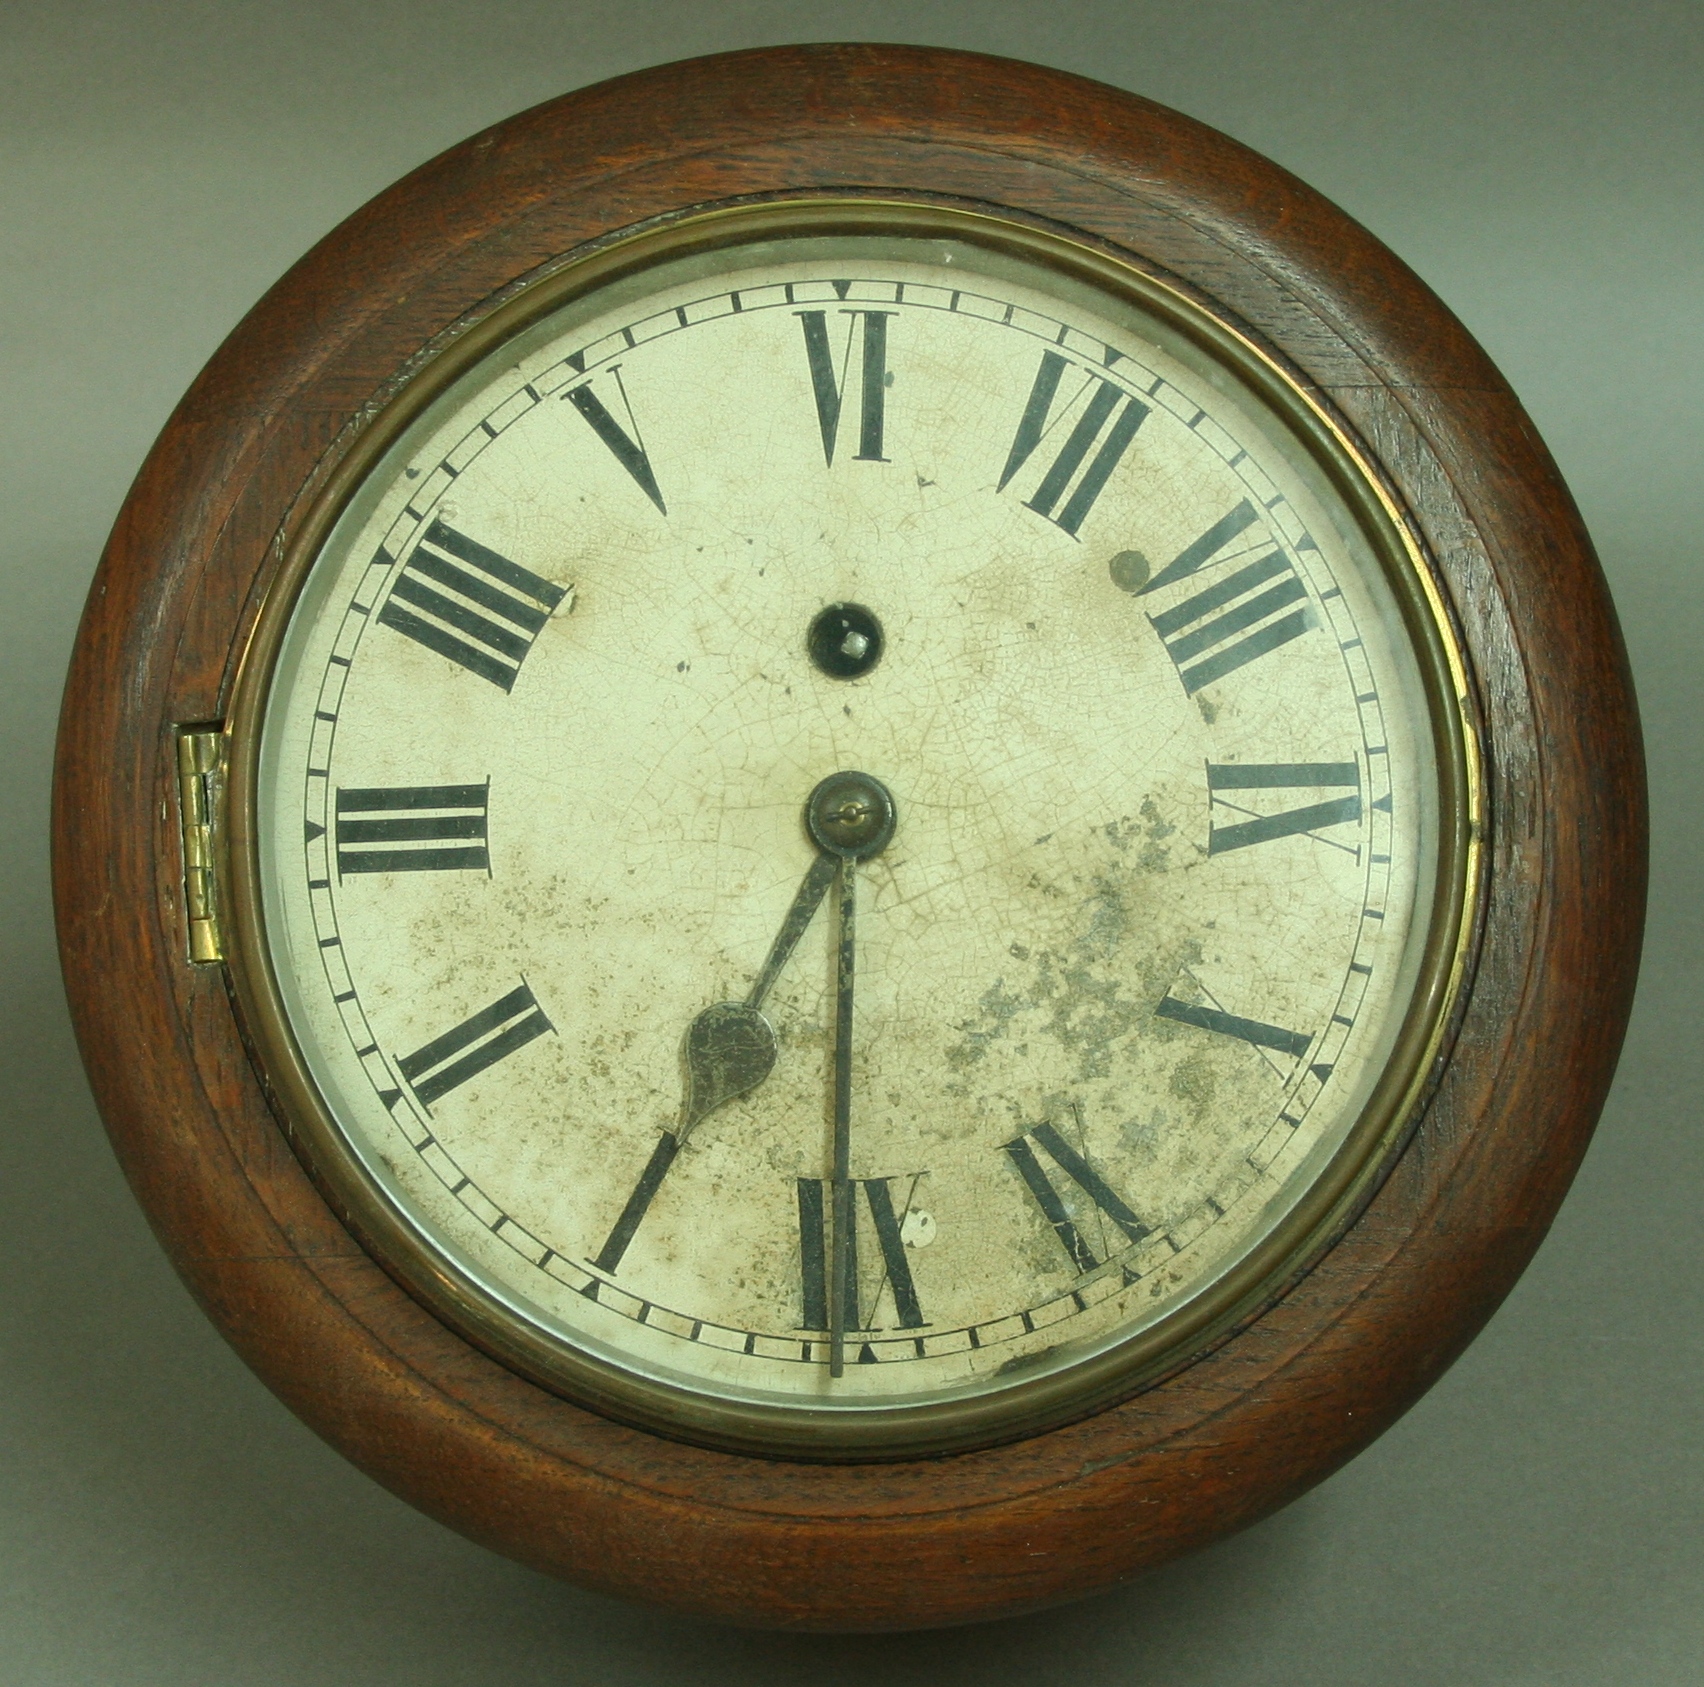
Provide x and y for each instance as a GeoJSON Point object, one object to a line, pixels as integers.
{"type": "Point", "coordinates": [813, 1255]}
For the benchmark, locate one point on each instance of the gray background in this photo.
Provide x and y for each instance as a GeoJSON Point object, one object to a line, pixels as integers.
{"type": "Point", "coordinates": [1537, 1519]}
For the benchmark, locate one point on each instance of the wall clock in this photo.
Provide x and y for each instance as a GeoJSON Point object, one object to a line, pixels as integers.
{"type": "Point", "coordinates": [848, 836]}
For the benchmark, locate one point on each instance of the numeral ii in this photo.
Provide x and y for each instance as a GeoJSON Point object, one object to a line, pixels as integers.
{"type": "Point", "coordinates": [479, 1042]}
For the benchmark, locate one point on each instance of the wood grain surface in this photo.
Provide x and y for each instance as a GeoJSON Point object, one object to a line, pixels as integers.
{"type": "Point", "coordinates": [1226, 1440]}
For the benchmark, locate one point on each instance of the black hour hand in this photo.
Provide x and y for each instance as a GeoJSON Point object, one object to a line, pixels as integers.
{"type": "Point", "coordinates": [730, 1047]}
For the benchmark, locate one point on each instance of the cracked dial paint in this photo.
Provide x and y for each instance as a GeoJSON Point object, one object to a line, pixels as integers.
{"type": "Point", "coordinates": [533, 778]}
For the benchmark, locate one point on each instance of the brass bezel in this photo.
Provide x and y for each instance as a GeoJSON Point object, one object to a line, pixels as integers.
{"type": "Point", "coordinates": [1025, 1408]}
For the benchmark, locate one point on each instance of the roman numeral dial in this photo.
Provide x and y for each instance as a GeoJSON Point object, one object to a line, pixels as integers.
{"type": "Point", "coordinates": [579, 930]}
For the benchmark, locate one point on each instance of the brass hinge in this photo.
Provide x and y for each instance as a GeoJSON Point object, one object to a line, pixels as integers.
{"type": "Point", "coordinates": [201, 791]}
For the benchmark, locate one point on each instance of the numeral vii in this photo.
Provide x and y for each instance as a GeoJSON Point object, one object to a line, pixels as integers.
{"type": "Point", "coordinates": [829, 385]}
{"type": "Point", "coordinates": [470, 604]}
{"type": "Point", "coordinates": [1103, 426]}
{"type": "Point", "coordinates": [1075, 1166]}
{"type": "Point", "coordinates": [412, 829]}
{"type": "Point", "coordinates": [813, 1256]}
{"type": "Point", "coordinates": [492, 1034]}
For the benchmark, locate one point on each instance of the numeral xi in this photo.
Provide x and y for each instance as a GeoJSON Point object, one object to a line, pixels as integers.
{"type": "Point", "coordinates": [1077, 1168]}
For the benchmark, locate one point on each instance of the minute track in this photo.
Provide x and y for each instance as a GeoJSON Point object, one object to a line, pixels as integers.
{"type": "Point", "coordinates": [671, 1220]}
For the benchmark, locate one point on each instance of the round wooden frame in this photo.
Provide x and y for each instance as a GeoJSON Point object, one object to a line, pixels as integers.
{"type": "Point", "coordinates": [1291, 1394]}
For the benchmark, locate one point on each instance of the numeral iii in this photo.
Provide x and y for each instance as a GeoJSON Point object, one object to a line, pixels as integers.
{"type": "Point", "coordinates": [412, 829]}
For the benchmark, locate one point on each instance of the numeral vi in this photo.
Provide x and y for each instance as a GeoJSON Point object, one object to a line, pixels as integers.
{"type": "Point", "coordinates": [829, 385]}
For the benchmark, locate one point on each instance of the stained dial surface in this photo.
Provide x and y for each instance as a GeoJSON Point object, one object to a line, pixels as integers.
{"type": "Point", "coordinates": [682, 1087]}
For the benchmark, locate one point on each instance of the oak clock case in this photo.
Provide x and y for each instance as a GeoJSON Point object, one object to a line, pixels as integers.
{"type": "Point", "coordinates": [856, 868]}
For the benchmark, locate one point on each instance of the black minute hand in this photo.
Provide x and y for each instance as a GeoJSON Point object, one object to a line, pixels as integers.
{"type": "Point", "coordinates": [730, 1046]}
{"type": "Point", "coordinates": [852, 817]}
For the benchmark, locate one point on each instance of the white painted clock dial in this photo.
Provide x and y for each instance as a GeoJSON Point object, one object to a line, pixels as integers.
{"type": "Point", "coordinates": [536, 757]}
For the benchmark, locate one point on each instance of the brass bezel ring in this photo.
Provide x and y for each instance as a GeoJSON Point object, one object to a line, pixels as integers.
{"type": "Point", "coordinates": [1241, 1293]}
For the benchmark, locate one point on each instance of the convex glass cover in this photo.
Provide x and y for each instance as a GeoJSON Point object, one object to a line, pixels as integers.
{"type": "Point", "coordinates": [850, 831]}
